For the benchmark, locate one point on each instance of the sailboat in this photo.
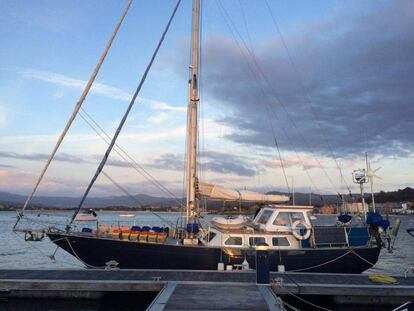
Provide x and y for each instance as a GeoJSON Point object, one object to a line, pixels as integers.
{"type": "Point", "coordinates": [294, 243]}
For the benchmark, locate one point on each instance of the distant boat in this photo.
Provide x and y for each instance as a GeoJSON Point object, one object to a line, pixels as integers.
{"type": "Point", "coordinates": [90, 215]}
{"type": "Point", "coordinates": [126, 215]}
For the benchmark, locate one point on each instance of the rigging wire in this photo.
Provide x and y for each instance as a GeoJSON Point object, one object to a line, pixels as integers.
{"type": "Point", "coordinates": [227, 16]}
{"type": "Point", "coordinates": [305, 168]}
{"type": "Point", "coordinates": [75, 111]}
{"type": "Point", "coordinates": [124, 154]}
{"type": "Point", "coordinates": [133, 197]}
{"type": "Point", "coordinates": [202, 150]}
{"type": "Point", "coordinates": [268, 108]}
{"type": "Point", "coordinates": [122, 188]}
{"type": "Point", "coordinates": [323, 133]}
{"type": "Point", "coordinates": [184, 193]}
{"type": "Point", "coordinates": [121, 124]}
{"type": "Point", "coordinates": [272, 111]}
{"type": "Point", "coordinates": [253, 56]}
{"type": "Point", "coordinates": [260, 74]}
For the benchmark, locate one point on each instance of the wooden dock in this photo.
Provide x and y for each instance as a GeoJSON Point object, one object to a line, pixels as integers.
{"type": "Point", "coordinates": [231, 290]}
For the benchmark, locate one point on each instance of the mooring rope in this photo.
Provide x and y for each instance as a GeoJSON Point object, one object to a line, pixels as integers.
{"type": "Point", "coordinates": [362, 258]}
{"type": "Point", "coordinates": [33, 246]}
{"type": "Point", "coordinates": [278, 283]}
{"type": "Point", "coordinates": [76, 255]}
{"type": "Point", "coordinates": [351, 251]}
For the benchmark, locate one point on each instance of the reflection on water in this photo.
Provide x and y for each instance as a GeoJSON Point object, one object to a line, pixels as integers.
{"type": "Point", "coordinates": [113, 301]}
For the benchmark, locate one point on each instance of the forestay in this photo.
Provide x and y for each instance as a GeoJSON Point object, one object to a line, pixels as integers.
{"type": "Point", "coordinates": [216, 192]}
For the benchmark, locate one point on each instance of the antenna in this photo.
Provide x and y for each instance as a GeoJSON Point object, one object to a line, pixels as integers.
{"type": "Point", "coordinates": [371, 174]}
{"type": "Point", "coordinates": [360, 177]}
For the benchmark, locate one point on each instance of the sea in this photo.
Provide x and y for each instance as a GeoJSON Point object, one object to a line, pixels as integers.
{"type": "Point", "coordinates": [16, 253]}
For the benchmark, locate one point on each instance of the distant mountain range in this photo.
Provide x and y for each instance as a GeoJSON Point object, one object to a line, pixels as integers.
{"type": "Point", "coordinates": [92, 202]}
{"type": "Point", "coordinates": [400, 195]}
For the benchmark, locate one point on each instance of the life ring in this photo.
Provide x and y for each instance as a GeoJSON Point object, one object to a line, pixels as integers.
{"type": "Point", "coordinates": [298, 235]}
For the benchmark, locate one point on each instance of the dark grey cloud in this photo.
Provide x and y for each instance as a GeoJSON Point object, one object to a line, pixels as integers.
{"type": "Point", "coordinates": [210, 161]}
{"type": "Point", "coordinates": [226, 164]}
{"type": "Point", "coordinates": [353, 79]}
{"type": "Point", "coordinates": [42, 157]}
{"type": "Point", "coordinates": [169, 161]}
{"type": "Point", "coordinates": [6, 166]}
{"type": "Point", "coordinates": [63, 157]}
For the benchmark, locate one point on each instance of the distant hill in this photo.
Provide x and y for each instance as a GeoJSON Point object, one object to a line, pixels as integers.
{"type": "Point", "coordinates": [400, 195]}
{"type": "Point", "coordinates": [92, 202]}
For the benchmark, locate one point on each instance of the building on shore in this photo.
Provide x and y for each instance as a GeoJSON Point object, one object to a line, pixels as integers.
{"type": "Point", "coordinates": [328, 209]}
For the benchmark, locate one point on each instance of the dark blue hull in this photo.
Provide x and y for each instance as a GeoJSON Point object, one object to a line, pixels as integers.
{"type": "Point", "coordinates": [95, 252]}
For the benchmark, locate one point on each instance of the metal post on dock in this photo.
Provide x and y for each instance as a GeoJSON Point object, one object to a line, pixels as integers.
{"type": "Point", "coordinates": [262, 264]}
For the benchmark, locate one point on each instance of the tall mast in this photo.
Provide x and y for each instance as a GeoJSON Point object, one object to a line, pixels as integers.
{"type": "Point", "coordinates": [192, 129]}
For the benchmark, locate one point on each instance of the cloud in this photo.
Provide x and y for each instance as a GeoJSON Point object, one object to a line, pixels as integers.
{"type": "Point", "coordinates": [300, 161]}
{"type": "Point", "coordinates": [353, 79]}
{"type": "Point", "coordinates": [159, 118]}
{"type": "Point", "coordinates": [97, 88]}
{"type": "Point", "coordinates": [6, 166]}
{"type": "Point", "coordinates": [211, 161]}
{"type": "Point", "coordinates": [64, 157]}
{"type": "Point", "coordinates": [226, 164]}
{"type": "Point", "coordinates": [128, 137]}
{"type": "Point", "coordinates": [22, 182]}
{"type": "Point", "coordinates": [65, 81]}
{"type": "Point", "coordinates": [164, 106]}
{"type": "Point", "coordinates": [168, 161]}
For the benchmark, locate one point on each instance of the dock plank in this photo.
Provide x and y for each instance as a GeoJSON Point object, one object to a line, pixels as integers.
{"type": "Point", "coordinates": [207, 297]}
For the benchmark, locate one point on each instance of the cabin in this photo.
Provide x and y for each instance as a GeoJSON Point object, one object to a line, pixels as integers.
{"type": "Point", "coordinates": [285, 227]}
{"type": "Point", "coordinates": [273, 225]}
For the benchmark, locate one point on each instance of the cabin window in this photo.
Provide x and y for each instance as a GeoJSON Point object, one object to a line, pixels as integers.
{"type": "Point", "coordinates": [282, 219]}
{"type": "Point", "coordinates": [264, 217]}
{"type": "Point", "coordinates": [256, 241]}
{"type": "Point", "coordinates": [234, 240]}
{"type": "Point", "coordinates": [210, 236]}
{"type": "Point", "coordinates": [280, 241]}
{"type": "Point", "coordinates": [297, 216]}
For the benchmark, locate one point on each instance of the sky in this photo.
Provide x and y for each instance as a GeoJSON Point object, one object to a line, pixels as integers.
{"type": "Point", "coordinates": [325, 81]}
